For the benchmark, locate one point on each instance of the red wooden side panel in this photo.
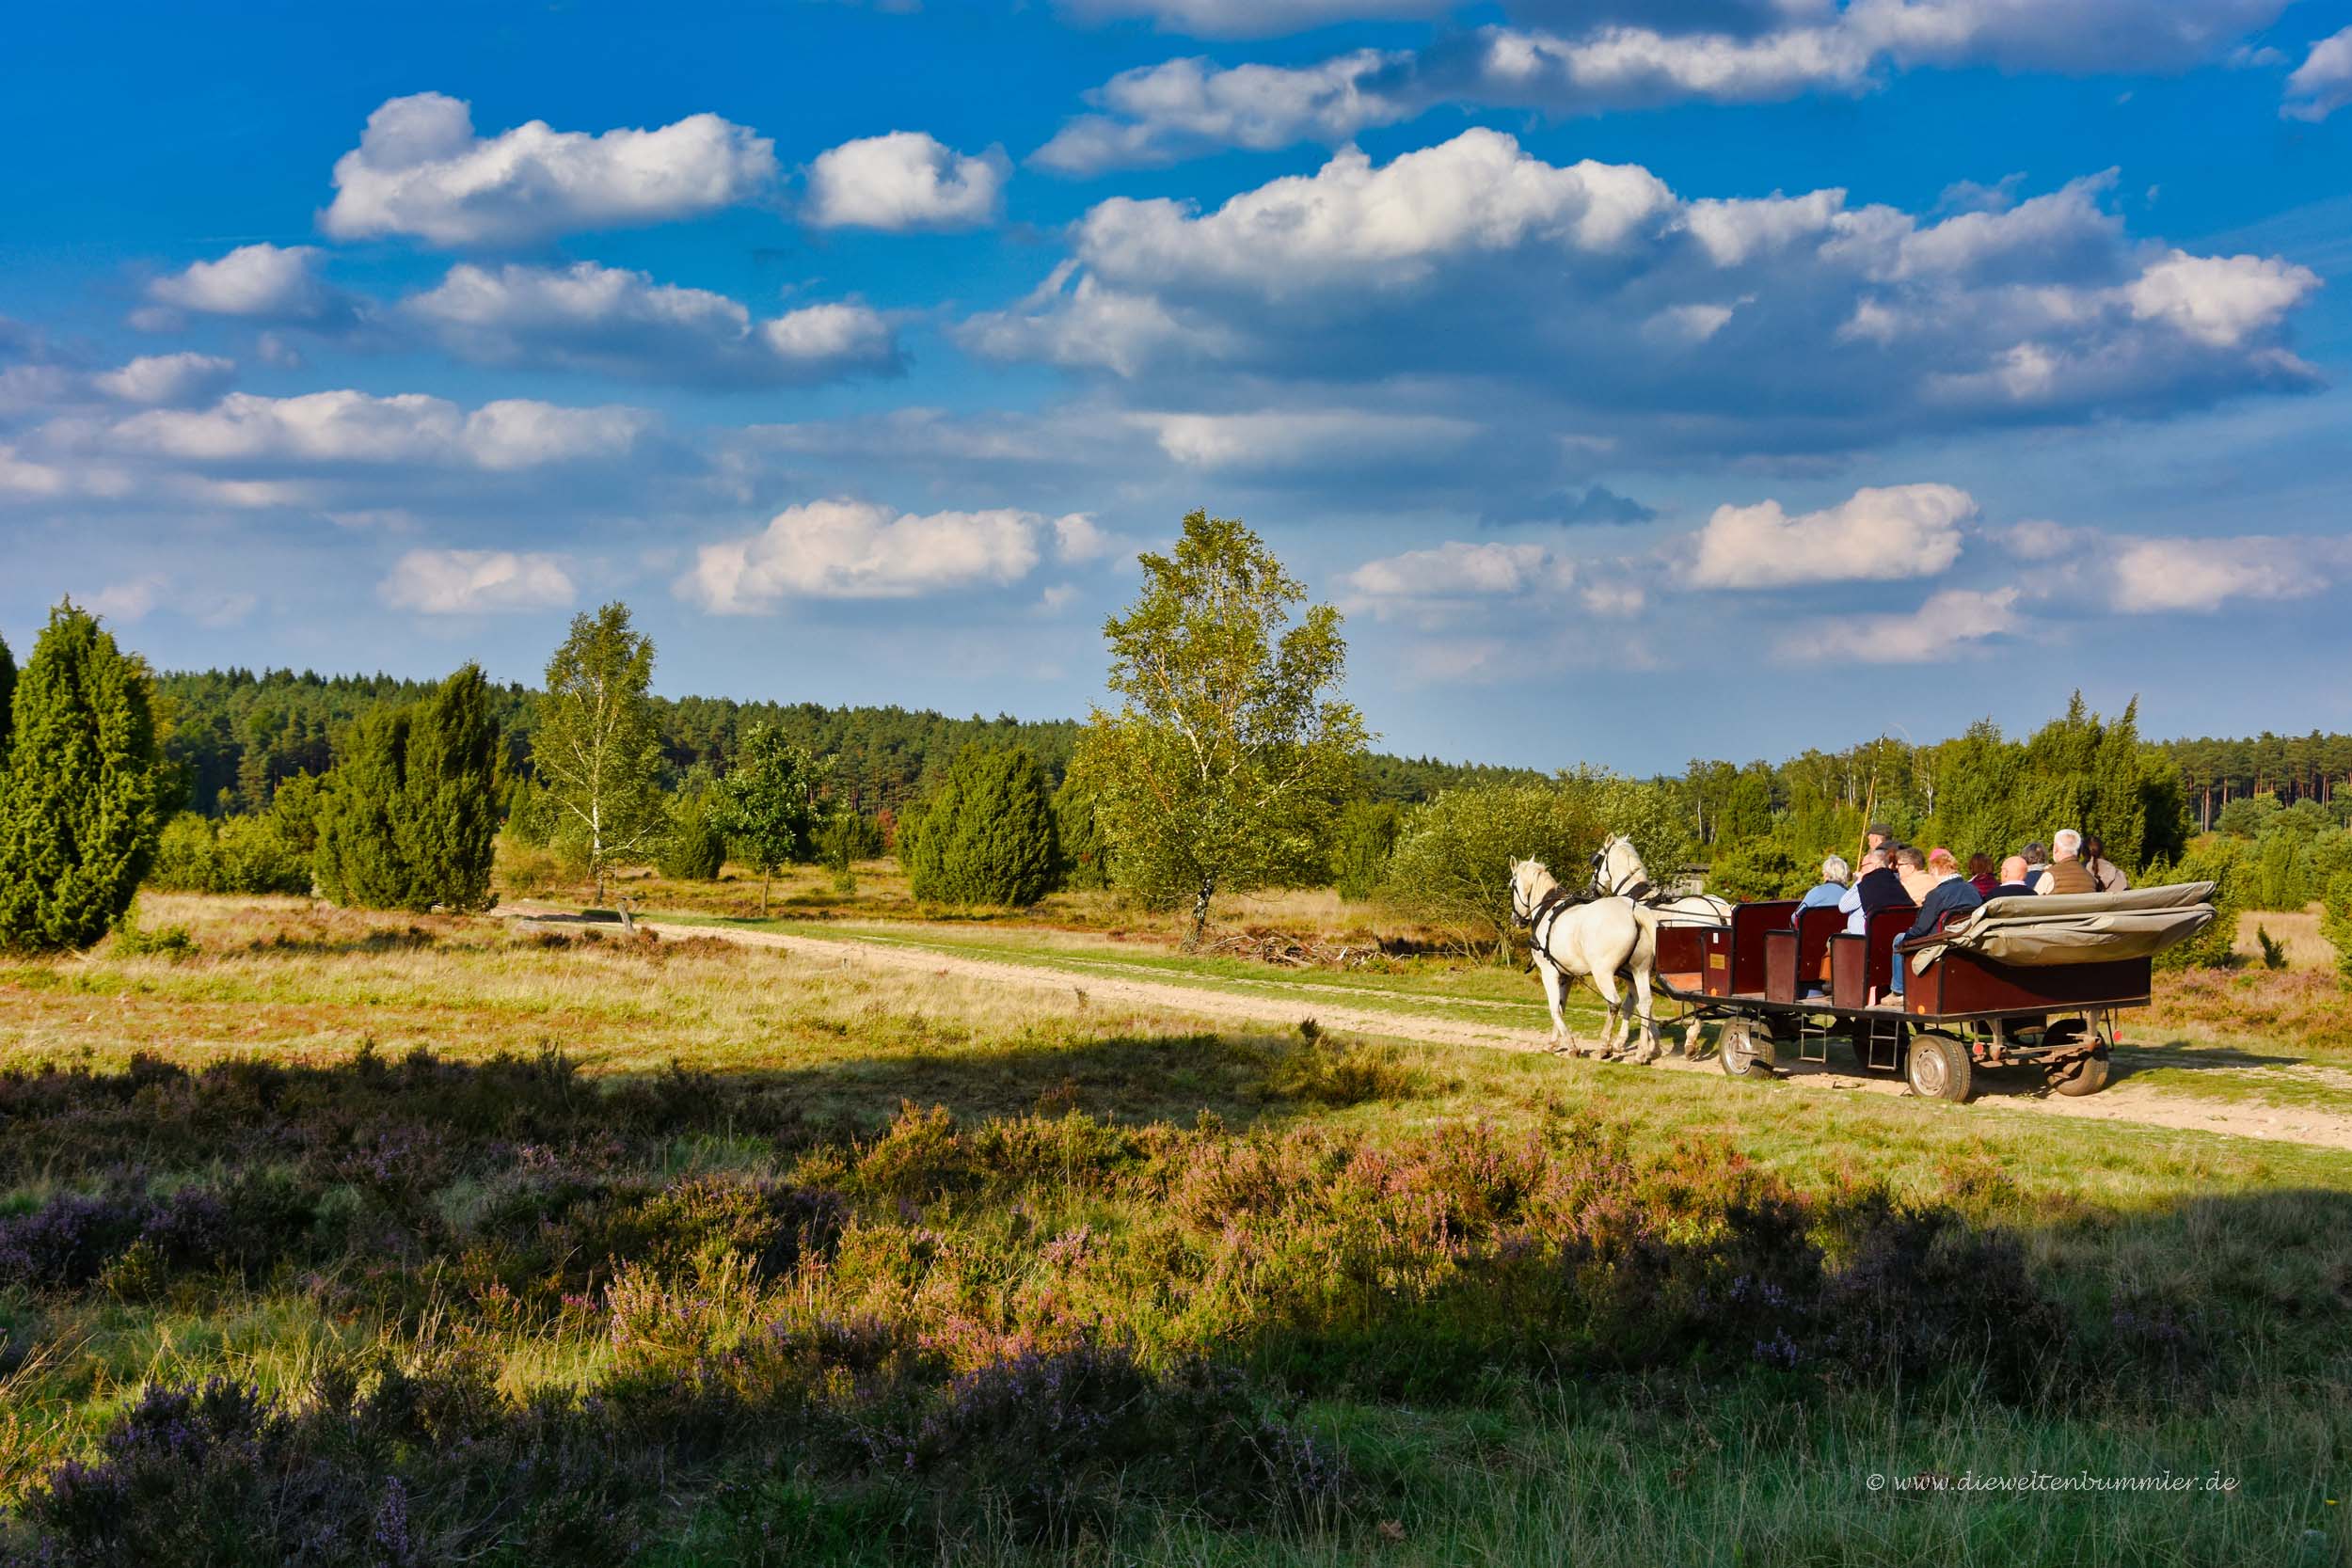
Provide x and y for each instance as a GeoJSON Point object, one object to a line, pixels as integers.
{"type": "Point", "coordinates": [1780, 966]}
{"type": "Point", "coordinates": [1960, 982]}
{"type": "Point", "coordinates": [1813, 929]}
{"type": "Point", "coordinates": [1682, 955]}
{"type": "Point", "coordinates": [1749, 922]}
{"type": "Point", "coordinates": [1848, 966]}
{"type": "Point", "coordinates": [1883, 928]}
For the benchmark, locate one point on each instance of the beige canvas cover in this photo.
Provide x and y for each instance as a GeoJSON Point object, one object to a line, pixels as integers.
{"type": "Point", "coordinates": [2076, 928]}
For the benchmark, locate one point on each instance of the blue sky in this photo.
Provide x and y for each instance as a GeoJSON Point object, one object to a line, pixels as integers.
{"type": "Point", "coordinates": [1707, 377]}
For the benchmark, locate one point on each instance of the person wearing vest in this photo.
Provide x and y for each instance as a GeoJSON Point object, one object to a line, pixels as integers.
{"type": "Point", "coordinates": [2067, 873]}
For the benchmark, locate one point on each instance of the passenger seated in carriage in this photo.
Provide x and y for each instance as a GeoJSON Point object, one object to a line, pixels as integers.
{"type": "Point", "coordinates": [2017, 880]}
{"type": "Point", "coordinates": [1878, 888]}
{"type": "Point", "coordinates": [1828, 892]}
{"type": "Point", "coordinates": [1911, 864]}
{"type": "Point", "coordinates": [1952, 895]}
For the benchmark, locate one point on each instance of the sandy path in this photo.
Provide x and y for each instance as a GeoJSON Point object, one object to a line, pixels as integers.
{"type": "Point", "coordinates": [2018, 1091]}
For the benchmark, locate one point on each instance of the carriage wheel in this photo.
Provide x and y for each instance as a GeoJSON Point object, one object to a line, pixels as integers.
{"type": "Point", "coordinates": [1938, 1067]}
{"type": "Point", "coordinates": [2082, 1076]}
{"type": "Point", "coordinates": [1746, 1048]}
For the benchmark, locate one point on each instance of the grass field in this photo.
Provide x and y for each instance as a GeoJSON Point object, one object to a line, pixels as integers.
{"type": "Point", "coordinates": [423, 1240]}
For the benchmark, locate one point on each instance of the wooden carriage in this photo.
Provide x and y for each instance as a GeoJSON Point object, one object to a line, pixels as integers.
{"type": "Point", "coordinates": [2028, 983]}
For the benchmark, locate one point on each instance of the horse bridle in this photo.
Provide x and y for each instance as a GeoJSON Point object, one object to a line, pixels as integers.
{"type": "Point", "coordinates": [1638, 890]}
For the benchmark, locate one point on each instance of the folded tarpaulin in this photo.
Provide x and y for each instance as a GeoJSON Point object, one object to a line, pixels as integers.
{"type": "Point", "coordinates": [2074, 927]}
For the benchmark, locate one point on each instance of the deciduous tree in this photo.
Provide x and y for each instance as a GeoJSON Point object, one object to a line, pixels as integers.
{"type": "Point", "coordinates": [1231, 751]}
{"type": "Point", "coordinates": [770, 801]}
{"type": "Point", "coordinates": [594, 746]}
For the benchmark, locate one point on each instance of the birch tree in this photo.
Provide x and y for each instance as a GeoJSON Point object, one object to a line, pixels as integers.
{"type": "Point", "coordinates": [1233, 752]}
{"type": "Point", "coordinates": [594, 748]}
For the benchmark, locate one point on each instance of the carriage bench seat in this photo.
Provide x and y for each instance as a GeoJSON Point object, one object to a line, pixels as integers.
{"type": "Point", "coordinates": [1734, 952]}
{"type": "Point", "coordinates": [1860, 964]}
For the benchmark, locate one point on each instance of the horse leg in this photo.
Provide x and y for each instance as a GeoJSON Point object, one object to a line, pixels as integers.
{"type": "Point", "coordinates": [1606, 984]}
{"type": "Point", "coordinates": [1553, 988]}
{"type": "Point", "coordinates": [1651, 1049]}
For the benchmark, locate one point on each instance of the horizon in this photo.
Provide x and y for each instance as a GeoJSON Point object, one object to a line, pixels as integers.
{"type": "Point", "coordinates": [1875, 382]}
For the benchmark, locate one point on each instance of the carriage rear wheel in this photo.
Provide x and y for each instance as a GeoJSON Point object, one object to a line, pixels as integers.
{"type": "Point", "coordinates": [2082, 1076]}
{"type": "Point", "coordinates": [1746, 1048]}
{"type": "Point", "coordinates": [1938, 1067]}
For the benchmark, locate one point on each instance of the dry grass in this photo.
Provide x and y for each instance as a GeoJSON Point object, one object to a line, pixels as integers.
{"type": "Point", "coordinates": [2300, 930]}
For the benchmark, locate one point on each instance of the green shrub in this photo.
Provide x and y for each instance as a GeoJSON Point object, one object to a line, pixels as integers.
{"type": "Point", "coordinates": [2335, 922]}
{"type": "Point", "coordinates": [188, 856]}
{"type": "Point", "coordinates": [988, 834]}
{"type": "Point", "coordinates": [1085, 854]}
{"type": "Point", "coordinates": [1759, 868]}
{"type": "Point", "coordinates": [846, 836]}
{"type": "Point", "coordinates": [696, 845]}
{"type": "Point", "coordinates": [2218, 859]}
{"type": "Point", "coordinates": [1365, 838]}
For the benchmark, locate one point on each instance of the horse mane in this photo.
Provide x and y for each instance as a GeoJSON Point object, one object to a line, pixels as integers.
{"type": "Point", "coordinates": [1542, 881]}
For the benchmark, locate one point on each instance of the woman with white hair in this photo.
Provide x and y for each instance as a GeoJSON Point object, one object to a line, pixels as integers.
{"type": "Point", "coordinates": [1832, 887]}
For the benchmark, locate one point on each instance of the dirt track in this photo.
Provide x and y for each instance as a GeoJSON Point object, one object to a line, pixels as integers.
{"type": "Point", "coordinates": [2020, 1091]}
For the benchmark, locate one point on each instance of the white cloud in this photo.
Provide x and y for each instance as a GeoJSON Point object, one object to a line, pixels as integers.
{"type": "Point", "coordinates": [613, 321]}
{"type": "Point", "coordinates": [1157, 113]}
{"type": "Point", "coordinates": [1290, 438]}
{"type": "Point", "coordinates": [420, 170]}
{"type": "Point", "coordinates": [131, 600]}
{"type": "Point", "coordinates": [848, 549]}
{"type": "Point", "coordinates": [1391, 224]}
{"type": "Point", "coordinates": [1905, 531]}
{"type": "Point", "coordinates": [1948, 623]}
{"type": "Point", "coordinates": [2158, 576]}
{"type": "Point", "coordinates": [169, 378]}
{"type": "Point", "coordinates": [1624, 56]}
{"type": "Point", "coordinates": [257, 282]}
{"type": "Point", "coordinates": [2323, 83]}
{"type": "Point", "coordinates": [905, 180]}
{"type": "Point", "coordinates": [1475, 266]}
{"type": "Point", "coordinates": [1077, 537]}
{"type": "Point", "coordinates": [1245, 19]}
{"type": "Point", "coordinates": [473, 582]}
{"type": "Point", "coordinates": [22, 476]}
{"type": "Point", "coordinates": [2219, 300]}
{"type": "Point", "coordinates": [350, 427]}
{"type": "Point", "coordinates": [1457, 569]}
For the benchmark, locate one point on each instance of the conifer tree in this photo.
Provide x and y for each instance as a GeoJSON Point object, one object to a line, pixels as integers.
{"type": "Point", "coordinates": [1085, 854]}
{"type": "Point", "coordinates": [8, 698]}
{"type": "Point", "coordinates": [696, 847]}
{"type": "Point", "coordinates": [448, 822]}
{"type": "Point", "coordinates": [360, 860]}
{"type": "Point", "coordinates": [81, 788]}
{"type": "Point", "coordinates": [988, 836]}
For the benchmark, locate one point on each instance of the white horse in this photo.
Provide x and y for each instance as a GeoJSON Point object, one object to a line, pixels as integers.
{"type": "Point", "coordinates": [1618, 869]}
{"type": "Point", "coordinates": [1596, 939]}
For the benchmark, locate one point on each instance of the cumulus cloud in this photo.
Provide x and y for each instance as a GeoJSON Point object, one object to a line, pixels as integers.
{"type": "Point", "coordinates": [611, 320]}
{"type": "Point", "coordinates": [1620, 57]}
{"type": "Point", "coordinates": [1948, 623]}
{"type": "Point", "coordinates": [2323, 83]}
{"type": "Point", "coordinates": [23, 476]}
{"type": "Point", "coordinates": [420, 170]}
{"type": "Point", "coordinates": [1296, 437]}
{"type": "Point", "coordinates": [2219, 300]}
{"type": "Point", "coordinates": [849, 549]}
{"type": "Point", "coordinates": [475, 582]}
{"type": "Point", "coordinates": [1641, 319]}
{"type": "Point", "coordinates": [1457, 569]}
{"type": "Point", "coordinates": [350, 427]}
{"type": "Point", "coordinates": [1905, 530]}
{"type": "Point", "coordinates": [255, 282]}
{"type": "Point", "coordinates": [905, 180]}
{"type": "Point", "coordinates": [2157, 576]}
{"type": "Point", "coordinates": [169, 378]}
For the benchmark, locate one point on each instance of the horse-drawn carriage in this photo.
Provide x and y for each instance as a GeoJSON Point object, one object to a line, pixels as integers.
{"type": "Point", "coordinates": [2025, 982]}
{"type": "Point", "coordinates": [2031, 983]}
